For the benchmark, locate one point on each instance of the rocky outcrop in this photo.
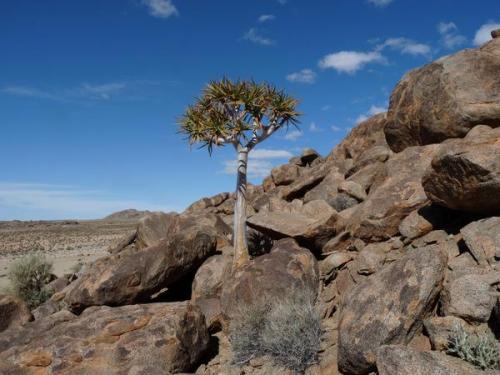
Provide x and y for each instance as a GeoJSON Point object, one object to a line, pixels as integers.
{"type": "Point", "coordinates": [286, 268]}
{"type": "Point", "coordinates": [13, 312]}
{"type": "Point", "coordinates": [132, 276]}
{"type": "Point", "coordinates": [155, 338]}
{"type": "Point", "coordinates": [446, 98]}
{"type": "Point", "coordinates": [483, 240]}
{"type": "Point", "coordinates": [393, 359]}
{"type": "Point", "coordinates": [465, 174]}
{"type": "Point", "coordinates": [388, 307]}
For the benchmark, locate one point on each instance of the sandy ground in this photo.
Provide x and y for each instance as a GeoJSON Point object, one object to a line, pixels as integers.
{"type": "Point", "coordinates": [64, 243]}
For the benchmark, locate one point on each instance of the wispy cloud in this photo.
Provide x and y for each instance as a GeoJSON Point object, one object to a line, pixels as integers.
{"type": "Point", "coordinates": [483, 34]}
{"type": "Point", "coordinates": [335, 128]}
{"type": "Point", "coordinates": [450, 38]}
{"type": "Point", "coordinates": [303, 76]}
{"type": "Point", "coordinates": [83, 92]}
{"type": "Point", "coordinates": [374, 110]}
{"type": "Point", "coordinates": [314, 128]}
{"type": "Point", "coordinates": [405, 46]}
{"type": "Point", "coordinates": [326, 107]}
{"type": "Point", "coordinates": [293, 135]}
{"type": "Point", "coordinates": [161, 8]}
{"type": "Point", "coordinates": [266, 18]}
{"type": "Point", "coordinates": [253, 35]}
{"type": "Point", "coordinates": [380, 3]}
{"type": "Point", "coordinates": [45, 201]}
{"type": "Point", "coordinates": [260, 162]}
{"type": "Point", "coordinates": [350, 61]}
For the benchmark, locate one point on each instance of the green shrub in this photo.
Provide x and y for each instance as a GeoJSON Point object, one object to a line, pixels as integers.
{"type": "Point", "coordinates": [28, 277]}
{"type": "Point", "coordinates": [287, 330]}
{"type": "Point", "coordinates": [480, 350]}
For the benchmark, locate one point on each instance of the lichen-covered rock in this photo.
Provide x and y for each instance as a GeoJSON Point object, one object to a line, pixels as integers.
{"type": "Point", "coordinates": [156, 338]}
{"type": "Point", "coordinates": [446, 98]}
{"type": "Point", "coordinates": [388, 307]}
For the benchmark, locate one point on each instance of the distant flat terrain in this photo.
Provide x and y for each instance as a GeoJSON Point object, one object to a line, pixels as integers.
{"type": "Point", "coordinates": [64, 242]}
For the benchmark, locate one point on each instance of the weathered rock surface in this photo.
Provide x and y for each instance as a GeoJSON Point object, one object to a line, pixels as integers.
{"type": "Point", "coordinates": [285, 174]}
{"type": "Point", "coordinates": [441, 328]}
{"type": "Point", "coordinates": [465, 174]}
{"type": "Point", "coordinates": [446, 98]}
{"type": "Point", "coordinates": [393, 359]}
{"type": "Point", "coordinates": [388, 307]}
{"type": "Point", "coordinates": [286, 268]}
{"type": "Point", "coordinates": [483, 239]}
{"type": "Point", "coordinates": [13, 312]}
{"type": "Point", "coordinates": [162, 338]}
{"type": "Point", "coordinates": [379, 216]}
{"type": "Point", "coordinates": [131, 276]}
{"type": "Point", "coordinates": [314, 223]}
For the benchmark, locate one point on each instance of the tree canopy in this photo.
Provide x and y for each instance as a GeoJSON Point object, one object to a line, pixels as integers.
{"type": "Point", "coordinates": [242, 113]}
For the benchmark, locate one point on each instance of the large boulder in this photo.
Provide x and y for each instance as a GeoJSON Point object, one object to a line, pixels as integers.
{"type": "Point", "coordinates": [482, 237]}
{"type": "Point", "coordinates": [388, 307]}
{"type": "Point", "coordinates": [313, 224]}
{"type": "Point", "coordinates": [465, 174]}
{"type": "Point", "coordinates": [309, 179]}
{"type": "Point", "coordinates": [13, 312]}
{"type": "Point", "coordinates": [446, 98]}
{"type": "Point", "coordinates": [133, 275]}
{"type": "Point", "coordinates": [379, 216]}
{"type": "Point", "coordinates": [159, 338]}
{"type": "Point", "coordinates": [398, 360]}
{"type": "Point", "coordinates": [287, 268]}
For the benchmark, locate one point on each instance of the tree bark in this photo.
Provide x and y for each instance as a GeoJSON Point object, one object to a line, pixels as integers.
{"type": "Point", "coordinates": [241, 255]}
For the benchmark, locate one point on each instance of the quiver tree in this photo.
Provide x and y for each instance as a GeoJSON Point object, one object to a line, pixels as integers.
{"type": "Point", "coordinates": [242, 114]}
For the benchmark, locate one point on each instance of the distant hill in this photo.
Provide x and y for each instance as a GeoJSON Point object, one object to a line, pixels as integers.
{"type": "Point", "coordinates": [126, 215]}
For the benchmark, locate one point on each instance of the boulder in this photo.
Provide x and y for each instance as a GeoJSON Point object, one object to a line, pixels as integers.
{"type": "Point", "coordinates": [13, 312]}
{"type": "Point", "coordinates": [446, 98]}
{"type": "Point", "coordinates": [394, 359]}
{"type": "Point", "coordinates": [483, 239]}
{"type": "Point", "coordinates": [471, 297]}
{"type": "Point", "coordinates": [307, 181]}
{"type": "Point", "coordinates": [379, 216]}
{"type": "Point", "coordinates": [287, 268]}
{"type": "Point", "coordinates": [495, 33]}
{"type": "Point", "coordinates": [327, 188]}
{"type": "Point", "coordinates": [441, 328]}
{"type": "Point", "coordinates": [388, 307]}
{"type": "Point", "coordinates": [368, 176]}
{"type": "Point", "coordinates": [353, 189]}
{"type": "Point", "coordinates": [131, 276]}
{"type": "Point", "coordinates": [285, 174]}
{"type": "Point", "coordinates": [308, 156]}
{"type": "Point", "coordinates": [465, 174]}
{"type": "Point", "coordinates": [137, 339]}
{"type": "Point", "coordinates": [314, 224]}
{"type": "Point", "coordinates": [154, 227]}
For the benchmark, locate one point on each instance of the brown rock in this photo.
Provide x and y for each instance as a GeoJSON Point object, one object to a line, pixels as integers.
{"type": "Point", "coordinates": [13, 312]}
{"type": "Point", "coordinates": [441, 328]}
{"type": "Point", "coordinates": [154, 338]}
{"type": "Point", "coordinates": [446, 98]}
{"type": "Point", "coordinates": [327, 188]}
{"type": "Point", "coordinates": [379, 216]}
{"type": "Point", "coordinates": [153, 228]}
{"type": "Point", "coordinates": [353, 189]}
{"type": "Point", "coordinates": [483, 239]}
{"type": "Point", "coordinates": [465, 174]}
{"type": "Point", "coordinates": [415, 225]}
{"type": "Point", "coordinates": [495, 33]}
{"type": "Point", "coordinates": [394, 359]}
{"type": "Point", "coordinates": [388, 307]}
{"type": "Point", "coordinates": [130, 276]}
{"type": "Point", "coordinates": [308, 156]}
{"type": "Point", "coordinates": [286, 268]}
{"type": "Point", "coordinates": [285, 174]}
{"type": "Point", "coordinates": [308, 180]}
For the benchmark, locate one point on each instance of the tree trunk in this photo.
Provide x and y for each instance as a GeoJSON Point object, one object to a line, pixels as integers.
{"type": "Point", "coordinates": [241, 255]}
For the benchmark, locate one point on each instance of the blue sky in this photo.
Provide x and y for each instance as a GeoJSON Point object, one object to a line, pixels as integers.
{"type": "Point", "coordinates": [90, 90]}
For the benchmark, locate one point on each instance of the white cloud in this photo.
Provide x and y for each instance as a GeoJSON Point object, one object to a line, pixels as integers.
{"type": "Point", "coordinates": [314, 128]}
{"type": "Point", "coordinates": [161, 8]}
{"type": "Point", "coordinates": [380, 3]}
{"type": "Point", "coordinates": [350, 61]}
{"type": "Point", "coordinates": [266, 17]}
{"type": "Point", "coordinates": [405, 46]}
{"type": "Point", "coordinates": [374, 110]}
{"type": "Point", "coordinates": [260, 162]}
{"type": "Point", "coordinates": [254, 36]}
{"type": "Point", "coordinates": [29, 92]}
{"type": "Point", "coordinates": [293, 135]}
{"type": "Point", "coordinates": [304, 76]}
{"type": "Point", "coordinates": [335, 128]}
{"type": "Point", "coordinates": [34, 201]}
{"type": "Point", "coordinates": [450, 37]}
{"type": "Point", "coordinates": [484, 33]}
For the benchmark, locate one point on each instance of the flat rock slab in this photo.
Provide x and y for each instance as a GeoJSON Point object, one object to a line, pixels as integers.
{"type": "Point", "coordinates": [156, 338]}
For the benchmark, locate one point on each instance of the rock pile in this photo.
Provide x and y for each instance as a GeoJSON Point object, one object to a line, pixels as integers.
{"type": "Point", "coordinates": [396, 231]}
